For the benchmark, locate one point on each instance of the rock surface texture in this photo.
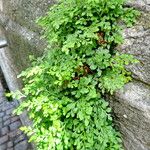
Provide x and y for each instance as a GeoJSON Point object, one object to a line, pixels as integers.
{"type": "Point", "coordinates": [131, 105]}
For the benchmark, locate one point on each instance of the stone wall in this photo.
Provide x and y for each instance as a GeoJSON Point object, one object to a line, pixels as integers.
{"type": "Point", "coordinates": [131, 105]}
{"type": "Point", "coordinates": [18, 18]}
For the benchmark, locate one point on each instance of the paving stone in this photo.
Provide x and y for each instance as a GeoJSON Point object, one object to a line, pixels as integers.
{"type": "Point", "coordinates": [6, 117]}
{"type": "Point", "coordinates": [15, 133]}
{"type": "Point", "coordinates": [1, 102]}
{"type": "Point", "coordinates": [21, 146]}
{"type": "Point", "coordinates": [10, 149]}
{"type": "Point", "coordinates": [1, 124]}
{"type": "Point", "coordinates": [15, 125]}
{"type": "Point", "coordinates": [11, 138]}
{"type": "Point", "coordinates": [16, 118]}
{"type": "Point", "coordinates": [4, 130]}
{"type": "Point", "coordinates": [7, 122]}
{"type": "Point", "coordinates": [20, 138]}
{"type": "Point", "coordinates": [7, 106]}
{"type": "Point", "coordinates": [9, 111]}
{"type": "Point", "coordinates": [3, 139]}
{"type": "Point", "coordinates": [3, 147]}
{"type": "Point", "coordinates": [1, 94]}
{"type": "Point", "coordinates": [2, 114]}
{"type": "Point", "coordinates": [10, 144]}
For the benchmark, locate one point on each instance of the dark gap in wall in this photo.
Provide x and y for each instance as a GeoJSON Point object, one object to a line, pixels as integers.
{"type": "Point", "coordinates": [4, 83]}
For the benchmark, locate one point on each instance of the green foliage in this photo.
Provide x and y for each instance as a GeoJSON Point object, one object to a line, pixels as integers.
{"type": "Point", "coordinates": [64, 90]}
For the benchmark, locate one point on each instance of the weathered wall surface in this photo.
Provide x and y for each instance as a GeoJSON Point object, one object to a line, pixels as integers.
{"type": "Point", "coordinates": [131, 105]}
{"type": "Point", "coordinates": [18, 18]}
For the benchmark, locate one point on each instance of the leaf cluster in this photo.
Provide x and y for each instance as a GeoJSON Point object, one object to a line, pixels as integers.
{"type": "Point", "coordinates": [65, 90]}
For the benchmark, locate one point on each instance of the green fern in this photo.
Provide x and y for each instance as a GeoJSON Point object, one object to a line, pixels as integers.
{"type": "Point", "coordinates": [64, 91]}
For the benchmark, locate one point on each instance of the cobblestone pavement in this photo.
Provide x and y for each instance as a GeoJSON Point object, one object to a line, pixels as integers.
{"type": "Point", "coordinates": [11, 138]}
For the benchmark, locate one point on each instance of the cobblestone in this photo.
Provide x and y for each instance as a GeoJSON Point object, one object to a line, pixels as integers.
{"type": "Point", "coordinates": [10, 149]}
{"type": "Point", "coordinates": [13, 119]}
{"type": "Point", "coordinates": [9, 111]}
{"type": "Point", "coordinates": [6, 117]}
{"type": "Point", "coordinates": [7, 122]}
{"type": "Point", "coordinates": [3, 139]}
{"type": "Point", "coordinates": [10, 144]}
{"type": "Point", "coordinates": [11, 138]}
{"type": "Point", "coordinates": [14, 133]}
{"type": "Point", "coordinates": [19, 139]}
{"type": "Point", "coordinates": [2, 114]}
{"type": "Point", "coordinates": [15, 125]}
{"type": "Point", "coordinates": [3, 147]}
{"type": "Point", "coordinates": [4, 130]}
{"type": "Point", "coordinates": [21, 146]}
